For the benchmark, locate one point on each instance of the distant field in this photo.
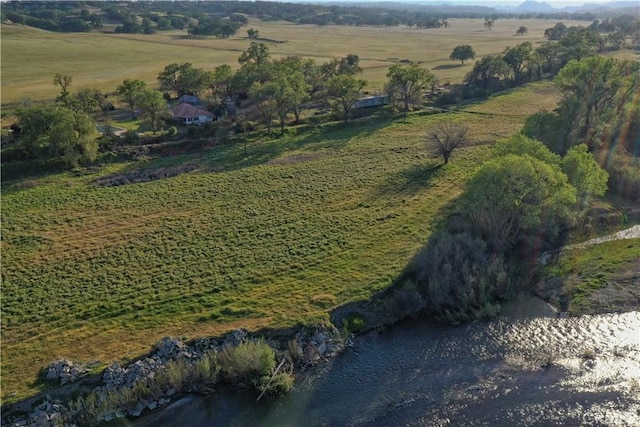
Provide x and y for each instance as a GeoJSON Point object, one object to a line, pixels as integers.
{"type": "Point", "coordinates": [31, 57]}
{"type": "Point", "coordinates": [298, 226]}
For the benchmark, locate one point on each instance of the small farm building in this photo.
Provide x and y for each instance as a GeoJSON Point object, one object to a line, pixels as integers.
{"type": "Point", "coordinates": [371, 101]}
{"type": "Point", "coordinates": [189, 99]}
{"type": "Point", "coordinates": [190, 115]}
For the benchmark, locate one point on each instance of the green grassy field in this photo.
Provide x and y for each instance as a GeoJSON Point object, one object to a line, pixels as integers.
{"type": "Point", "coordinates": [31, 57]}
{"type": "Point", "coordinates": [296, 227]}
{"type": "Point", "coordinates": [600, 278]}
{"type": "Point", "coordinates": [299, 225]}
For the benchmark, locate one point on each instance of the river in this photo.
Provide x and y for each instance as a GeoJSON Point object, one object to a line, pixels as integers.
{"type": "Point", "coordinates": [526, 368]}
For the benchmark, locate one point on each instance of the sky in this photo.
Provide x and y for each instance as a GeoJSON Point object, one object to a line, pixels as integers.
{"type": "Point", "coordinates": [510, 3]}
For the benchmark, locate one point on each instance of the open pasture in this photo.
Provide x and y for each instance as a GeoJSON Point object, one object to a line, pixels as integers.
{"type": "Point", "coordinates": [31, 57]}
{"type": "Point", "coordinates": [299, 225]}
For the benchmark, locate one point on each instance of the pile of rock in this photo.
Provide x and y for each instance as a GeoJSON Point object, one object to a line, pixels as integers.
{"type": "Point", "coordinates": [317, 344]}
{"type": "Point", "coordinates": [50, 413]}
{"type": "Point", "coordinates": [66, 371]}
{"type": "Point", "coordinates": [168, 349]}
{"type": "Point", "coordinates": [313, 345]}
{"type": "Point", "coordinates": [115, 376]}
{"type": "Point", "coordinates": [235, 337]}
{"type": "Point", "coordinates": [202, 345]}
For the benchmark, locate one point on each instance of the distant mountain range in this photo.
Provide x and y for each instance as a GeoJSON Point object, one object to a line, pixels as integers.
{"type": "Point", "coordinates": [543, 7]}
{"type": "Point", "coordinates": [480, 6]}
{"type": "Point", "coordinates": [534, 6]}
{"type": "Point", "coordinates": [610, 5]}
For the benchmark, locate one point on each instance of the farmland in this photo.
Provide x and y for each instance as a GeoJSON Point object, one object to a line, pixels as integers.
{"type": "Point", "coordinates": [271, 237]}
{"type": "Point", "coordinates": [31, 57]}
{"type": "Point", "coordinates": [298, 226]}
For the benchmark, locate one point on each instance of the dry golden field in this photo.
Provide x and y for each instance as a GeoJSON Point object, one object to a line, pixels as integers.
{"type": "Point", "coordinates": [31, 57]}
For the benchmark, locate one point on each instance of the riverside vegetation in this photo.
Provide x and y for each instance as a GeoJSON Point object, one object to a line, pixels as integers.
{"type": "Point", "coordinates": [282, 231]}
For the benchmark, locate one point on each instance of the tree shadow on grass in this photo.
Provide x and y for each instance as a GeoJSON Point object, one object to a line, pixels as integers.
{"type": "Point", "coordinates": [187, 156]}
{"type": "Point", "coordinates": [310, 139]}
{"type": "Point", "coordinates": [447, 66]}
{"type": "Point", "coordinates": [409, 181]}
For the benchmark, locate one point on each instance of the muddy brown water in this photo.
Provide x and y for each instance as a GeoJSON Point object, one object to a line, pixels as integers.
{"type": "Point", "coordinates": [526, 368]}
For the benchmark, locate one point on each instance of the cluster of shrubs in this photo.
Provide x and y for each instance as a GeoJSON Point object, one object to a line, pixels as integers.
{"type": "Point", "coordinates": [518, 204]}
{"type": "Point", "coordinates": [249, 365]}
{"type": "Point", "coordinates": [459, 277]}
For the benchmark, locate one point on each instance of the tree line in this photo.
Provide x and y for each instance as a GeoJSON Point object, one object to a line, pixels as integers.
{"type": "Point", "coordinates": [278, 90]}
{"type": "Point", "coordinates": [536, 187]}
{"type": "Point", "coordinates": [523, 63]}
{"type": "Point", "coordinates": [272, 90]}
{"type": "Point", "coordinates": [217, 18]}
{"type": "Point", "coordinates": [519, 203]}
{"type": "Point", "coordinates": [60, 17]}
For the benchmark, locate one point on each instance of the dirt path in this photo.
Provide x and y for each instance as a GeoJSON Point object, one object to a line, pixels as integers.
{"type": "Point", "coordinates": [629, 233]}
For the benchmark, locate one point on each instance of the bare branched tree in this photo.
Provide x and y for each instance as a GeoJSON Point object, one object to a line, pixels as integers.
{"type": "Point", "coordinates": [442, 140]}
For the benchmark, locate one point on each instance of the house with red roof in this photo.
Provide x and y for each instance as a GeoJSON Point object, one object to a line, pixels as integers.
{"type": "Point", "coordinates": [189, 115]}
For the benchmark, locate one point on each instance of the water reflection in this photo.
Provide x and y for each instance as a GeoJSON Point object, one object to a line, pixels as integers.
{"type": "Point", "coordinates": [516, 370]}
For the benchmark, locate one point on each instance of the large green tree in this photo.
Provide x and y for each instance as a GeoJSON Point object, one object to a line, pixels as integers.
{"type": "Point", "coordinates": [308, 68]}
{"type": "Point", "coordinates": [154, 107]}
{"type": "Point", "coordinates": [220, 81]}
{"type": "Point", "coordinates": [513, 198]}
{"type": "Point", "coordinates": [282, 95]}
{"type": "Point", "coordinates": [341, 94]}
{"type": "Point", "coordinates": [487, 69]}
{"type": "Point", "coordinates": [57, 131]}
{"type": "Point", "coordinates": [599, 96]}
{"type": "Point", "coordinates": [552, 54]}
{"type": "Point", "coordinates": [579, 43]}
{"type": "Point", "coordinates": [85, 100]}
{"type": "Point", "coordinates": [128, 92]}
{"type": "Point", "coordinates": [256, 54]}
{"type": "Point", "coordinates": [183, 79]}
{"type": "Point", "coordinates": [64, 81]}
{"type": "Point", "coordinates": [521, 145]}
{"type": "Point", "coordinates": [489, 22]}
{"type": "Point", "coordinates": [406, 85]}
{"type": "Point", "coordinates": [350, 64]}
{"type": "Point", "coordinates": [73, 137]}
{"type": "Point", "coordinates": [262, 95]}
{"type": "Point", "coordinates": [516, 58]}
{"type": "Point", "coordinates": [584, 173]}
{"type": "Point", "coordinates": [255, 67]}
{"type": "Point", "coordinates": [462, 53]}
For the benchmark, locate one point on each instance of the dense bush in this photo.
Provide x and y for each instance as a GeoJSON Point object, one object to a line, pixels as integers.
{"type": "Point", "coordinates": [519, 201]}
{"type": "Point", "coordinates": [459, 277]}
{"type": "Point", "coordinates": [584, 173]}
{"type": "Point", "coordinates": [354, 322]}
{"type": "Point", "coordinates": [404, 302]}
{"type": "Point", "coordinates": [624, 176]}
{"type": "Point", "coordinates": [597, 109]}
{"type": "Point", "coordinates": [247, 363]}
{"type": "Point", "coordinates": [281, 383]}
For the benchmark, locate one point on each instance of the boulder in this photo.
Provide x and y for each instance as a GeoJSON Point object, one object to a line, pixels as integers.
{"type": "Point", "coordinates": [235, 337]}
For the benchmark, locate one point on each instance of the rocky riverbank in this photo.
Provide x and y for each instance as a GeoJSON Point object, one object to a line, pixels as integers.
{"type": "Point", "coordinates": [155, 380]}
